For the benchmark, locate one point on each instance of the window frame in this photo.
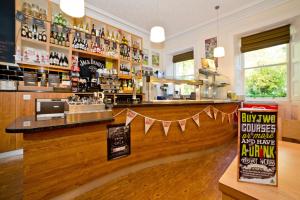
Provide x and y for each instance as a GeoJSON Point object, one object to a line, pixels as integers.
{"type": "Point", "coordinates": [288, 93]}
{"type": "Point", "coordinates": [192, 75]}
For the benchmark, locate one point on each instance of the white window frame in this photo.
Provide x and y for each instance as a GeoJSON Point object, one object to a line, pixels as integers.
{"type": "Point", "coordinates": [191, 75]}
{"type": "Point", "coordinates": [288, 79]}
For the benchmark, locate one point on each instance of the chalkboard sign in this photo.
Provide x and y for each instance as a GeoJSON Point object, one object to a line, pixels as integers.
{"type": "Point", "coordinates": [118, 141]}
{"type": "Point", "coordinates": [20, 16]}
{"type": "Point", "coordinates": [7, 32]}
{"type": "Point", "coordinates": [89, 66]}
{"type": "Point", "coordinates": [38, 22]}
{"type": "Point", "coordinates": [257, 151]}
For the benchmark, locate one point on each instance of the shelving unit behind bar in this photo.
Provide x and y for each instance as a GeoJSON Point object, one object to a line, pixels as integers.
{"type": "Point", "coordinates": [134, 42]}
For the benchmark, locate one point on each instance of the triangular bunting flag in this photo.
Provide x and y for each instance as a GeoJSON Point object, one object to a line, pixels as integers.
{"type": "Point", "coordinates": [148, 123]}
{"type": "Point", "coordinates": [196, 119]}
{"type": "Point", "coordinates": [215, 112]}
{"type": "Point", "coordinates": [207, 111]}
{"type": "Point", "coordinates": [229, 118]}
{"type": "Point", "coordinates": [182, 124]}
{"type": "Point", "coordinates": [166, 126]}
{"type": "Point", "coordinates": [223, 117]}
{"type": "Point", "coordinates": [130, 116]}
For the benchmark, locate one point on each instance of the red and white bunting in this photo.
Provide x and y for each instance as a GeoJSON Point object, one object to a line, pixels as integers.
{"type": "Point", "coordinates": [148, 123]}
{"type": "Point", "coordinates": [223, 117]}
{"type": "Point", "coordinates": [215, 110]}
{"type": "Point", "coordinates": [166, 126]}
{"type": "Point", "coordinates": [182, 124]}
{"type": "Point", "coordinates": [196, 119]}
{"type": "Point", "coordinates": [130, 116]}
{"type": "Point", "coordinates": [207, 111]}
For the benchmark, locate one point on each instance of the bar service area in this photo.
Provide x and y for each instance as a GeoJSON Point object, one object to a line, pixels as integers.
{"type": "Point", "coordinates": [149, 100]}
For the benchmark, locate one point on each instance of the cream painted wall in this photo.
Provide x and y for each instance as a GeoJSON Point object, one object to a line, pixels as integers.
{"type": "Point", "coordinates": [231, 29]}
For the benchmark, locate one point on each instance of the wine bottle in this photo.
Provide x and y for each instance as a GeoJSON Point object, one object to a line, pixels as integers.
{"type": "Point", "coordinates": [67, 40]}
{"type": "Point", "coordinates": [102, 33]}
{"type": "Point", "coordinates": [40, 36]}
{"type": "Point", "coordinates": [63, 42]}
{"type": "Point", "coordinates": [55, 38]}
{"type": "Point", "coordinates": [29, 33]}
{"type": "Point", "coordinates": [24, 30]}
{"type": "Point", "coordinates": [93, 30]}
{"type": "Point", "coordinates": [51, 58]}
{"type": "Point", "coordinates": [44, 36]}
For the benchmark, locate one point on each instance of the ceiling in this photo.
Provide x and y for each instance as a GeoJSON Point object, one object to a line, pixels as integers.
{"type": "Point", "coordinates": [174, 15]}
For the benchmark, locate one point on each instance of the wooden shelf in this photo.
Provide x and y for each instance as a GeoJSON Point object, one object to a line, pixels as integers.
{"type": "Point", "coordinates": [124, 76]}
{"type": "Point", "coordinates": [94, 54]}
{"type": "Point", "coordinates": [33, 41]}
{"type": "Point", "coordinates": [59, 46]}
{"type": "Point", "coordinates": [124, 60]}
{"type": "Point", "coordinates": [38, 66]}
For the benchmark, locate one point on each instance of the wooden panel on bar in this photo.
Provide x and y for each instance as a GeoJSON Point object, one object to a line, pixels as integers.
{"type": "Point", "coordinates": [58, 161]}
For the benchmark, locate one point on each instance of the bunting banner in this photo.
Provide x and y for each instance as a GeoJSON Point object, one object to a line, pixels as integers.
{"type": "Point", "coordinates": [196, 119]}
{"type": "Point", "coordinates": [223, 117]}
{"type": "Point", "coordinates": [130, 116]}
{"type": "Point", "coordinates": [229, 118]}
{"type": "Point", "coordinates": [182, 124]}
{"type": "Point", "coordinates": [166, 126]}
{"type": "Point", "coordinates": [207, 111]}
{"type": "Point", "coordinates": [215, 110]}
{"type": "Point", "coordinates": [148, 123]}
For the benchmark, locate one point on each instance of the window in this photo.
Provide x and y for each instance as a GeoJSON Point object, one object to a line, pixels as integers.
{"type": "Point", "coordinates": [265, 72]}
{"type": "Point", "coordinates": [185, 89]}
{"type": "Point", "coordinates": [184, 70]}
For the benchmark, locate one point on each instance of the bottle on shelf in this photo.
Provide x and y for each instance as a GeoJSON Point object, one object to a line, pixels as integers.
{"type": "Point", "coordinates": [93, 30]}
{"type": "Point", "coordinates": [67, 40]}
{"type": "Point", "coordinates": [24, 30]}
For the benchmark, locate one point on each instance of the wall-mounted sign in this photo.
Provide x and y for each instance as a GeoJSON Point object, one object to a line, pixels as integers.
{"type": "Point", "coordinates": [89, 66]}
{"type": "Point", "coordinates": [118, 141]}
{"type": "Point", "coordinates": [257, 149]}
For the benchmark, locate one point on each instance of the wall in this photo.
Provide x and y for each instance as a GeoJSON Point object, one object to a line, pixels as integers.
{"type": "Point", "coordinates": [266, 15]}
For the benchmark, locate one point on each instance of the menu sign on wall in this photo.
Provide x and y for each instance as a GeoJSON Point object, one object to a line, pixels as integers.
{"type": "Point", "coordinates": [258, 146]}
{"type": "Point", "coordinates": [118, 141]}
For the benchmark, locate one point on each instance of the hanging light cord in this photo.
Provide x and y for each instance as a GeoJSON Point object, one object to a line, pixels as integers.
{"type": "Point", "coordinates": [217, 9]}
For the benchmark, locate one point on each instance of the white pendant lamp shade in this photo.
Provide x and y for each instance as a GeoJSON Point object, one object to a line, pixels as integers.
{"type": "Point", "coordinates": [219, 52]}
{"type": "Point", "coordinates": [74, 8]}
{"type": "Point", "coordinates": [157, 34]}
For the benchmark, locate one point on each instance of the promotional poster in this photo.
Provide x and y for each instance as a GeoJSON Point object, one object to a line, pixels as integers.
{"type": "Point", "coordinates": [258, 147]}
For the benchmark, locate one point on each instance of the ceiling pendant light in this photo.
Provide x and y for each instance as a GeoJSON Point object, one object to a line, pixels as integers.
{"type": "Point", "coordinates": [157, 33]}
{"type": "Point", "coordinates": [74, 8]}
{"type": "Point", "coordinates": [219, 51]}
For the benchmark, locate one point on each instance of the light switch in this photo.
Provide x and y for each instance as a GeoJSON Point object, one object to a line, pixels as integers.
{"type": "Point", "coordinates": [26, 97]}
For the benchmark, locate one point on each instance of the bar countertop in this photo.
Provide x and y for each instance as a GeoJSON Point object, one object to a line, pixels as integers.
{"type": "Point", "coordinates": [32, 125]}
{"type": "Point", "coordinates": [174, 103]}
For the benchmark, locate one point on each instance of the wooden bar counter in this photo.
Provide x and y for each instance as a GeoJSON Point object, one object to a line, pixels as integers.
{"type": "Point", "coordinates": [60, 158]}
{"type": "Point", "coordinates": [288, 179]}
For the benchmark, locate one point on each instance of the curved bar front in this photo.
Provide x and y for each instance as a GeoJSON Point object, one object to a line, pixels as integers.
{"type": "Point", "coordinates": [59, 160]}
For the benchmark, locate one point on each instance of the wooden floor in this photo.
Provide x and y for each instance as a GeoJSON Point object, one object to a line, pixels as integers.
{"type": "Point", "coordinates": [11, 170]}
{"type": "Point", "coordinates": [188, 179]}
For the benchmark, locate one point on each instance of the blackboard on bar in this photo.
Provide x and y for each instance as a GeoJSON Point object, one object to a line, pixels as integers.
{"type": "Point", "coordinates": [7, 31]}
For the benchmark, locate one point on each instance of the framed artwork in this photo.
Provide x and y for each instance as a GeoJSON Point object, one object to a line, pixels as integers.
{"type": "Point", "coordinates": [210, 44]}
{"type": "Point", "coordinates": [155, 59]}
{"type": "Point", "coordinates": [145, 57]}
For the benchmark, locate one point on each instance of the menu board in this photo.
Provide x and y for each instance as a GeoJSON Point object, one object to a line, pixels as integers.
{"type": "Point", "coordinates": [7, 33]}
{"type": "Point", "coordinates": [257, 151]}
{"type": "Point", "coordinates": [118, 141]}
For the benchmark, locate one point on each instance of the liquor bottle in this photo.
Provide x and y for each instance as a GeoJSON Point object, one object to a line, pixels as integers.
{"type": "Point", "coordinates": [74, 42]}
{"type": "Point", "coordinates": [52, 37]}
{"type": "Point", "coordinates": [67, 40]}
{"type": "Point", "coordinates": [34, 32]}
{"type": "Point", "coordinates": [102, 33]}
{"type": "Point", "coordinates": [29, 33]}
{"type": "Point", "coordinates": [40, 36]}
{"type": "Point", "coordinates": [44, 36]}
{"type": "Point", "coordinates": [63, 42]}
{"type": "Point", "coordinates": [60, 62]}
{"type": "Point", "coordinates": [59, 38]}
{"type": "Point", "coordinates": [93, 30]}
{"type": "Point", "coordinates": [87, 27]}
{"type": "Point", "coordinates": [55, 38]}
{"type": "Point", "coordinates": [51, 58]}
{"type": "Point", "coordinates": [24, 30]}
{"type": "Point", "coordinates": [66, 62]}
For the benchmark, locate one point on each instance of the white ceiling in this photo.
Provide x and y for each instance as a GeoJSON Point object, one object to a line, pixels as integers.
{"type": "Point", "coordinates": [175, 15]}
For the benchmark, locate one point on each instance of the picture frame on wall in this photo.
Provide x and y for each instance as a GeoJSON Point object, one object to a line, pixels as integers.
{"type": "Point", "coordinates": [210, 44]}
{"type": "Point", "coordinates": [155, 59]}
{"type": "Point", "coordinates": [145, 57]}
